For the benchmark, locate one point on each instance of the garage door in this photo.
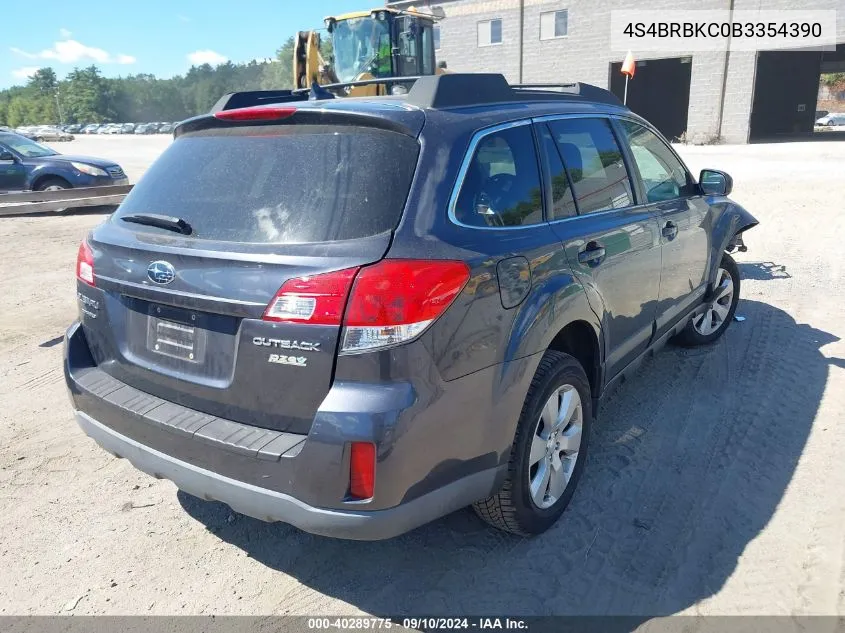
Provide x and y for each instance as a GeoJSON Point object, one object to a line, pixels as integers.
{"type": "Point", "coordinates": [659, 92]}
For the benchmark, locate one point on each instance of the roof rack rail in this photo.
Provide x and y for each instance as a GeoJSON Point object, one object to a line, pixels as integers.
{"type": "Point", "coordinates": [448, 90]}
{"type": "Point", "coordinates": [469, 89]}
{"type": "Point", "coordinates": [587, 91]}
{"type": "Point", "coordinates": [245, 99]}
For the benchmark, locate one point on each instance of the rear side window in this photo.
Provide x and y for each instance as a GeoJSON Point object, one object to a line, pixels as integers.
{"type": "Point", "coordinates": [280, 184]}
{"type": "Point", "coordinates": [594, 162]}
{"type": "Point", "coordinates": [501, 186]}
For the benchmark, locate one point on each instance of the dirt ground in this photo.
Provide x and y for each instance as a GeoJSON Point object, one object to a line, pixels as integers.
{"type": "Point", "coordinates": [714, 483]}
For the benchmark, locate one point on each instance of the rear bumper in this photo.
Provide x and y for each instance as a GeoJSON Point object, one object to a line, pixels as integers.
{"type": "Point", "coordinates": [269, 505]}
{"type": "Point", "coordinates": [296, 478]}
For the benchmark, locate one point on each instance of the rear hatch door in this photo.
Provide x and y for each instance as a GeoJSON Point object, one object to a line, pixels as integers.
{"type": "Point", "coordinates": [180, 315]}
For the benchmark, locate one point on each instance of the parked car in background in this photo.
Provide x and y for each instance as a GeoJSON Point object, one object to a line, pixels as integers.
{"type": "Point", "coordinates": [27, 131]}
{"type": "Point", "coordinates": [27, 165]}
{"type": "Point", "coordinates": [91, 128]}
{"type": "Point", "coordinates": [127, 128]}
{"type": "Point", "coordinates": [50, 133]}
{"type": "Point", "coordinates": [832, 119]}
{"type": "Point", "coordinates": [434, 330]}
{"type": "Point", "coordinates": [166, 128]}
{"type": "Point", "coordinates": [73, 128]}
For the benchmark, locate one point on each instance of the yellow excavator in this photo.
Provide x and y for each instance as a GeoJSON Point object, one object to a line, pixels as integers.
{"type": "Point", "coordinates": [367, 46]}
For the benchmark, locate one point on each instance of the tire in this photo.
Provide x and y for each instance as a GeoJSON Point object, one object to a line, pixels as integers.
{"type": "Point", "coordinates": [53, 184]}
{"type": "Point", "coordinates": [700, 331]}
{"type": "Point", "coordinates": [513, 508]}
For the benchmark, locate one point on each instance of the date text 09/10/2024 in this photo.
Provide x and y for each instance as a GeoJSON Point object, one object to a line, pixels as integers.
{"type": "Point", "coordinates": [427, 624]}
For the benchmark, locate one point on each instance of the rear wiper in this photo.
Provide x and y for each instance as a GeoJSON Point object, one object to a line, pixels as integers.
{"type": "Point", "coordinates": [161, 221]}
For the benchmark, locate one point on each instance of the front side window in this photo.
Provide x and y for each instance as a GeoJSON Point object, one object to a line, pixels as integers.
{"type": "Point", "coordinates": [501, 186]}
{"type": "Point", "coordinates": [554, 24]}
{"type": "Point", "coordinates": [490, 32]}
{"type": "Point", "coordinates": [594, 162]}
{"type": "Point", "coordinates": [436, 31]}
{"type": "Point", "coordinates": [662, 174]}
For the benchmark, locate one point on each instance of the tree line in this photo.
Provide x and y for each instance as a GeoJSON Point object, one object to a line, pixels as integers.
{"type": "Point", "coordinates": [86, 96]}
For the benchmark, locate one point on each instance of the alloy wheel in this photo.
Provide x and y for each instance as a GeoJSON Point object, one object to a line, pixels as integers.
{"type": "Point", "coordinates": [717, 310]}
{"type": "Point", "coordinates": [555, 446]}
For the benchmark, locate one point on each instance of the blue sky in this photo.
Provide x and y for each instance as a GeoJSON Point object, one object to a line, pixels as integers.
{"type": "Point", "coordinates": [161, 37]}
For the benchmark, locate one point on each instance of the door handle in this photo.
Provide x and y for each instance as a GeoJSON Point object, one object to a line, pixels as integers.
{"type": "Point", "coordinates": [593, 252]}
{"type": "Point", "coordinates": [670, 230]}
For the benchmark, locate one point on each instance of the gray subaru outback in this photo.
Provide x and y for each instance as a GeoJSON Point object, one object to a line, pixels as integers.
{"type": "Point", "coordinates": [358, 315]}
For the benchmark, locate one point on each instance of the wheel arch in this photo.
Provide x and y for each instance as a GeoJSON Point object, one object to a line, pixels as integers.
{"type": "Point", "coordinates": [580, 340]}
{"type": "Point", "coordinates": [731, 222]}
{"type": "Point", "coordinates": [43, 177]}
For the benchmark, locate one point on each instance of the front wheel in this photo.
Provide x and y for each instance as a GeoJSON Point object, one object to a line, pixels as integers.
{"type": "Point", "coordinates": [54, 184]}
{"type": "Point", "coordinates": [708, 325]}
{"type": "Point", "coordinates": [549, 450]}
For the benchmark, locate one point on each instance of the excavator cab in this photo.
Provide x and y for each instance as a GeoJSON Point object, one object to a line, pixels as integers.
{"type": "Point", "coordinates": [368, 45]}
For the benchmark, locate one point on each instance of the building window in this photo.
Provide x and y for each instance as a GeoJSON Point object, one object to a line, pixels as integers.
{"type": "Point", "coordinates": [554, 24]}
{"type": "Point", "coordinates": [490, 32]}
{"type": "Point", "coordinates": [436, 31]}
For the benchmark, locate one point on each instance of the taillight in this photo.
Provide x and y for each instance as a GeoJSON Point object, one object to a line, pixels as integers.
{"type": "Point", "coordinates": [394, 300]}
{"type": "Point", "coordinates": [85, 264]}
{"type": "Point", "coordinates": [318, 299]}
{"type": "Point", "coordinates": [390, 302]}
{"type": "Point", "coordinates": [256, 113]}
{"type": "Point", "coordinates": [362, 470]}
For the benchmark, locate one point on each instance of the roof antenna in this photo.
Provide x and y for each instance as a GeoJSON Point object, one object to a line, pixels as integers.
{"type": "Point", "coordinates": [318, 92]}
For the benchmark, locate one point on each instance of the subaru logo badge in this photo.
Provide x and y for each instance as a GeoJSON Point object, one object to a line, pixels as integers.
{"type": "Point", "coordinates": [161, 272]}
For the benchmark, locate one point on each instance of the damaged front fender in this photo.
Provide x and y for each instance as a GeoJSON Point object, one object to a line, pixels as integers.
{"type": "Point", "coordinates": [728, 228]}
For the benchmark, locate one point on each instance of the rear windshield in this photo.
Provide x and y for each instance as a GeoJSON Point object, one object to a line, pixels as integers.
{"type": "Point", "coordinates": [279, 184]}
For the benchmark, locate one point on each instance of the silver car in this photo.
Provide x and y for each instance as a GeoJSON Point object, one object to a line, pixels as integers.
{"type": "Point", "coordinates": [50, 133]}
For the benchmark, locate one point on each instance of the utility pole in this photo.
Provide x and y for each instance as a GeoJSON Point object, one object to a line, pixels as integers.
{"type": "Point", "coordinates": [59, 107]}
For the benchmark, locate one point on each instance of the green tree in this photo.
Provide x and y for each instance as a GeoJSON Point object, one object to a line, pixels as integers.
{"type": "Point", "coordinates": [88, 97]}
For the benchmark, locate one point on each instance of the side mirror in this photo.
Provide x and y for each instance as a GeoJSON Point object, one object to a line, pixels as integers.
{"type": "Point", "coordinates": [6, 155]}
{"type": "Point", "coordinates": [713, 182]}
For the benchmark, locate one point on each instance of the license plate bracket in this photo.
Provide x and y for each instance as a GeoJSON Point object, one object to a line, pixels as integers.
{"type": "Point", "coordinates": [176, 339]}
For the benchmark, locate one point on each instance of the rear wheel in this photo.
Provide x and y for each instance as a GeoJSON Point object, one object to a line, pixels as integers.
{"type": "Point", "coordinates": [719, 311]}
{"type": "Point", "coordinates": [548, 452]}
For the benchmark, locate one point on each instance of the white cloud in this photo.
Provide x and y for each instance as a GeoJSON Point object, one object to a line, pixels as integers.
{"type": "Point", "coordinates": [207, 57]}
{"type": "Point", "coordinates": [18, 51]}
{"type": "Point", "coordinates": [25, 73]}
{"type": "Point", "coordinates": [65, 34]}
{"type": "Point", "coordinates": [70, 52]}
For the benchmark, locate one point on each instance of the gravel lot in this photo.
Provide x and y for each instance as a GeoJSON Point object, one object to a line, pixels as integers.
{"type": "Point", "coordinates": [714, 483]}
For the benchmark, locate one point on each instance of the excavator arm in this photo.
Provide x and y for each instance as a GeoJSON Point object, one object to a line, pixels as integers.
{"type": "Point", "coordinates": [308, 64]}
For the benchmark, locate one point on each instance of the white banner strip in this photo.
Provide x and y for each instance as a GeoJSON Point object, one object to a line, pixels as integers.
{"type": "Point", "coordinates": [690, 31]}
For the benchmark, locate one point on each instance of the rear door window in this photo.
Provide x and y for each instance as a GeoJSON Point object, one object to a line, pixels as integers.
{"type": "Point", "coordinates": [279, 184]}
{"type": "Point", "coordinates": [594, 163]}
{"type": "Point", "coordinates": [501, 187]}
{"type": "Point", "coordinates": [563, 202]}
